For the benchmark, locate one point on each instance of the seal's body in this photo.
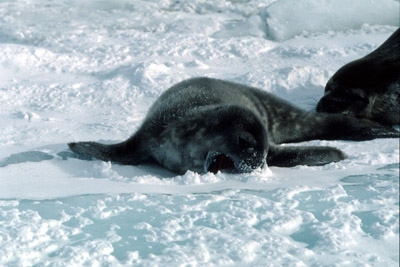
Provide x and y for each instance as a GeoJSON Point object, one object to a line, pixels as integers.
{"type": "Point", "coordinates": [205, 124]}
{"type": "Point", "coordinates": [368, 87]}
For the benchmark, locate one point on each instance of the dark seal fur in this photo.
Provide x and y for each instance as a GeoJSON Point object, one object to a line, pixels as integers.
{"type": "Point", "coordinates": [205, 124]}
{"type": "Point", "coordinates": [368, 87]}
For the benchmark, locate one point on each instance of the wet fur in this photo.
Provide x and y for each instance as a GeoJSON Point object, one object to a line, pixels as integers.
{"type": "Point", "coordinates": [201, 117]}
{"type": "Point", "coordinates": [368, 87]}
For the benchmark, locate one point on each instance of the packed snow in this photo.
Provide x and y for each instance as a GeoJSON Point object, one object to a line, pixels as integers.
{"type": "Point", "coordinates": [88, 70]}
{"type": "Point", "coordinates": [288, 18]}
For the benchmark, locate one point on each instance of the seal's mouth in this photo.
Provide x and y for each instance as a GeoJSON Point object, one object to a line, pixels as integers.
{"type": "Point", "coordinates": [216, 161]}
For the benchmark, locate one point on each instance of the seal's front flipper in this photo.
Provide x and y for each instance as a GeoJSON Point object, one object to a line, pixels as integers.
{"type": "Point", "coordinates": [367, 130]}
{"type": "Point", "coordinates": [349, 128]}
{"type": "Point", "coordinates": [289, 156]}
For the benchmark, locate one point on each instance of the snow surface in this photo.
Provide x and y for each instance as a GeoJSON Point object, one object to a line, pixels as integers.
{"type": "Point", "coordinates": [285, 21]}
{"type": "Point", "coordinates": [89, 70]}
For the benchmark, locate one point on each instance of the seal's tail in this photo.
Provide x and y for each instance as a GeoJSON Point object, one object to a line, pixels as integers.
{"type": "Point", "coordinates": [124, 153]}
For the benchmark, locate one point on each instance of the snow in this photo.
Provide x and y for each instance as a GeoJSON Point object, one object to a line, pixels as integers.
{"type": "Point", "coordinates": [288, 18]}
{"type": "Point", "coordinates": [89, 70]}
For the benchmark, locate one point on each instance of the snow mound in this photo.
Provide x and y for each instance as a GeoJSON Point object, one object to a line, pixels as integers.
{"type": "Point", "coordinates": [288, 18]}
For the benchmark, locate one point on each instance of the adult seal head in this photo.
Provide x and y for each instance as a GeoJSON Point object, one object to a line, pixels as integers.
{"type": "Point", "coordinates": [205, 124]}
{"type": "Point", "coordinates": [368, 87]}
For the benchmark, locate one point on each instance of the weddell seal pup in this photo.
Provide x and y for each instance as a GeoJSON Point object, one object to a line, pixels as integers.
{"type": "Point", "coordinates": [368, 87]}
{"type": "Point", "coordinates": [205, 124]}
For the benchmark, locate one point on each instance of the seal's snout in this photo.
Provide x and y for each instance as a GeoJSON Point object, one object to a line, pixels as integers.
{"type": "Point", "coordinates": [216, 161]}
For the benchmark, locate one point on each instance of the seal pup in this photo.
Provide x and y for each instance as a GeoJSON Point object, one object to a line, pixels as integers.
{"type": "Point", "coordinates": [205, 124]}
{"type": "Point", "coordinates": [368, 87]}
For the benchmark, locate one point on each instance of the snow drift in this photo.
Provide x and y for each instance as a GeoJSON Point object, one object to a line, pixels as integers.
{"type": "Point", "coordinates": [288, 18]}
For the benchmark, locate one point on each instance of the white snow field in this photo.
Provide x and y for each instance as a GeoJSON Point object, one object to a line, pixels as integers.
{"type": "Point", "coordinates": [88, 70]}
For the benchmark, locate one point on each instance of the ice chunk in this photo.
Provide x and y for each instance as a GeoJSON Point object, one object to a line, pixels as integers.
{"type": "Point", "coordinates": [288, 18]}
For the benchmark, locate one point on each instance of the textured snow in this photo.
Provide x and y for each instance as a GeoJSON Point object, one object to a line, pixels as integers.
{"type": "Point", "coordinates": [89, 70]}
{"type": "Point", "coordinates": [288, 18]}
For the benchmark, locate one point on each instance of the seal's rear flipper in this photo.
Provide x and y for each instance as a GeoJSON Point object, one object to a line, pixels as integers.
{"type": "Point", "coordinates": [289, 156]}
{"type": "Point", "coordinates": [123, 153]}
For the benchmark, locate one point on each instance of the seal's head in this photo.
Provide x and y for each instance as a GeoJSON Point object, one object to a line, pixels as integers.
{"type": "Point", "coordinates": [350, 89]}
{"type": "Point", "coordinates": [240, 142]}
{"type": "Point", "coordinates": [337, 99]}
{"type": "Point", "coordinates": [356, 88]}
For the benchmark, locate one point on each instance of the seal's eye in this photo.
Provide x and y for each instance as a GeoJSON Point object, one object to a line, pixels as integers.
{"type": "Point", "coordinates": [243, 142]}
{"type": "Point", "coordinates": [246, 140]}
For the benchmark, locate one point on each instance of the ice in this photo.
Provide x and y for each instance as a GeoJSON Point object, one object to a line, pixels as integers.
{"type": "Point", "coordinates": [288, 18]}
{"type": "Point", "coordinates": [89, 70]}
